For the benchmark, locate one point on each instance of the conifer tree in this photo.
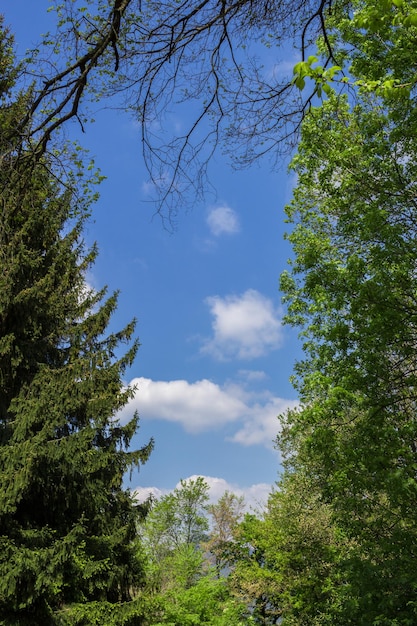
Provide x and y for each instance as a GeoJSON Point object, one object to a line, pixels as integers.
{"type": "Point", "coordinates": [67, 526]}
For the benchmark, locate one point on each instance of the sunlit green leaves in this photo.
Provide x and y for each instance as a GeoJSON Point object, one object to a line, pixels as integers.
{"type": "Point", "coordinates": [320, 76]}
{"type": "Point", "coordinates": [351, 290]}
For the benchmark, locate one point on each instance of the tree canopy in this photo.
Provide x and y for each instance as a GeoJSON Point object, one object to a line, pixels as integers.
{"type": "Point", "coordinates": [149, 53]}
{"type": "Point", "coordinates": [351, 290]}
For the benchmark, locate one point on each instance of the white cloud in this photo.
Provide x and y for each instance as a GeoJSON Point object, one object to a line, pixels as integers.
{"type": "Point", "coordinates": [276, 71]}
{"type": "Point", "coordinates": [198, 406]}
{"type": "Point", "coordinates": [142, 493]}
{"type": "Point", "coordinates": [152, 185]}
{"type": "Point", "coordinates": [280, 70]}
{"type": "Point", "coordinates": [148, 187]}
{"type": "Point", "coordinates": [203, 406]}
{"type": "Point", "coordinates": [255, 495]}
{"type": "Point", "coordinates": [86, 290]}
{"type": "Point", "coordinates": [252, 375]}
{"type": "Point", "coordinates": [261, 425]}
{"type": "Point", "coordinates": [223, 220]}
{"type": "Point", "coordinates": [244, 327]}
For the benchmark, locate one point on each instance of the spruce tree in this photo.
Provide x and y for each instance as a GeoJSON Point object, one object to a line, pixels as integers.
{"type": "Point", "coordinates": [67, 525]}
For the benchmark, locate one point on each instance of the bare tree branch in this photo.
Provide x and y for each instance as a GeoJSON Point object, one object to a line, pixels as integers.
{"type": "Point", "coordinates": [161, 54]}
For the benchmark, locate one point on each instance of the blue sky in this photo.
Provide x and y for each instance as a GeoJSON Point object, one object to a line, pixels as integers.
{"type": "Point", "coordinates": [213, 369]}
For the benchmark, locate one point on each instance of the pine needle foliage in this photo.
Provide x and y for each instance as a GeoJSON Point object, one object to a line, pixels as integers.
{"type": "Point", "coordinates": [67, 525]}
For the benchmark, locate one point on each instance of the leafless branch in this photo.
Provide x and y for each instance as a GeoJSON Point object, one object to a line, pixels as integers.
{"type": "Point", "coordinates": [162, 54]}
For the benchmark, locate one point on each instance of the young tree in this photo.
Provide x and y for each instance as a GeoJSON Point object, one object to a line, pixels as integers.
{"type": "Point", "coordinates": [225, 514]}
{"type": "Point", "coordinates": [208, 601]}
{"type": "Point", "coordinates": [309, 555]}
{"type": "Point", "coordinates": [175, 528]}
{"type": "Point", "coordinates": [182, 587]}
{"type": "Point", "coordinates": [67, 525]}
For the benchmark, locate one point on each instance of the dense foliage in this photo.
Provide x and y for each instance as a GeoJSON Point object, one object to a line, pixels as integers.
{"type": "Point", "coordinates": [67, 526]}
{"type": "Point", "coordinates": [351, 289]}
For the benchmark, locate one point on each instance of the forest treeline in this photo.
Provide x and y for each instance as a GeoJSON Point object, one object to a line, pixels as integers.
{"type": "Point", "coordinates": [337, 541]}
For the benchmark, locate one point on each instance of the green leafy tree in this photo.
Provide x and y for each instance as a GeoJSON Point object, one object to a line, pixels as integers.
{"type": "Point", "coordinates": [352, 289]}
{"type": "Point", "coordinates": [309, 554]}
{"type": "Point", "coordinates": [208, 601]}
{"type": "Point", "coordinates": [182, 587]}
{"type": "Point", "coordinates": [67, 525]}
{"type": "Point", "coordinates": [174, 530]}
{"type": "Point", "coordinates": [290, 565]}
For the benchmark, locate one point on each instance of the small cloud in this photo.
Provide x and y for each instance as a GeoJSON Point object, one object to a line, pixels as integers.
{"type": "Point", "coordinates": [244, 327]}
{"type": "Point", "coordinates": [87, 290]}
{"type": "Point", "coordinates": [141, 494]}
{"type": "Point", "coordinates": [148, 187]}
{"type": "Point", "coordinates": [255, 495]}
{"type": "Point", "coordinates": [252, 375]}
{"type": "Point", "coordinates": [223, 220]}
{"type": "Point", "coordinates": [280, 70]}
{"type": "Point", "coordinates": [153, 185]}
{"type": "Point", "coordinates": [283, 69]}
